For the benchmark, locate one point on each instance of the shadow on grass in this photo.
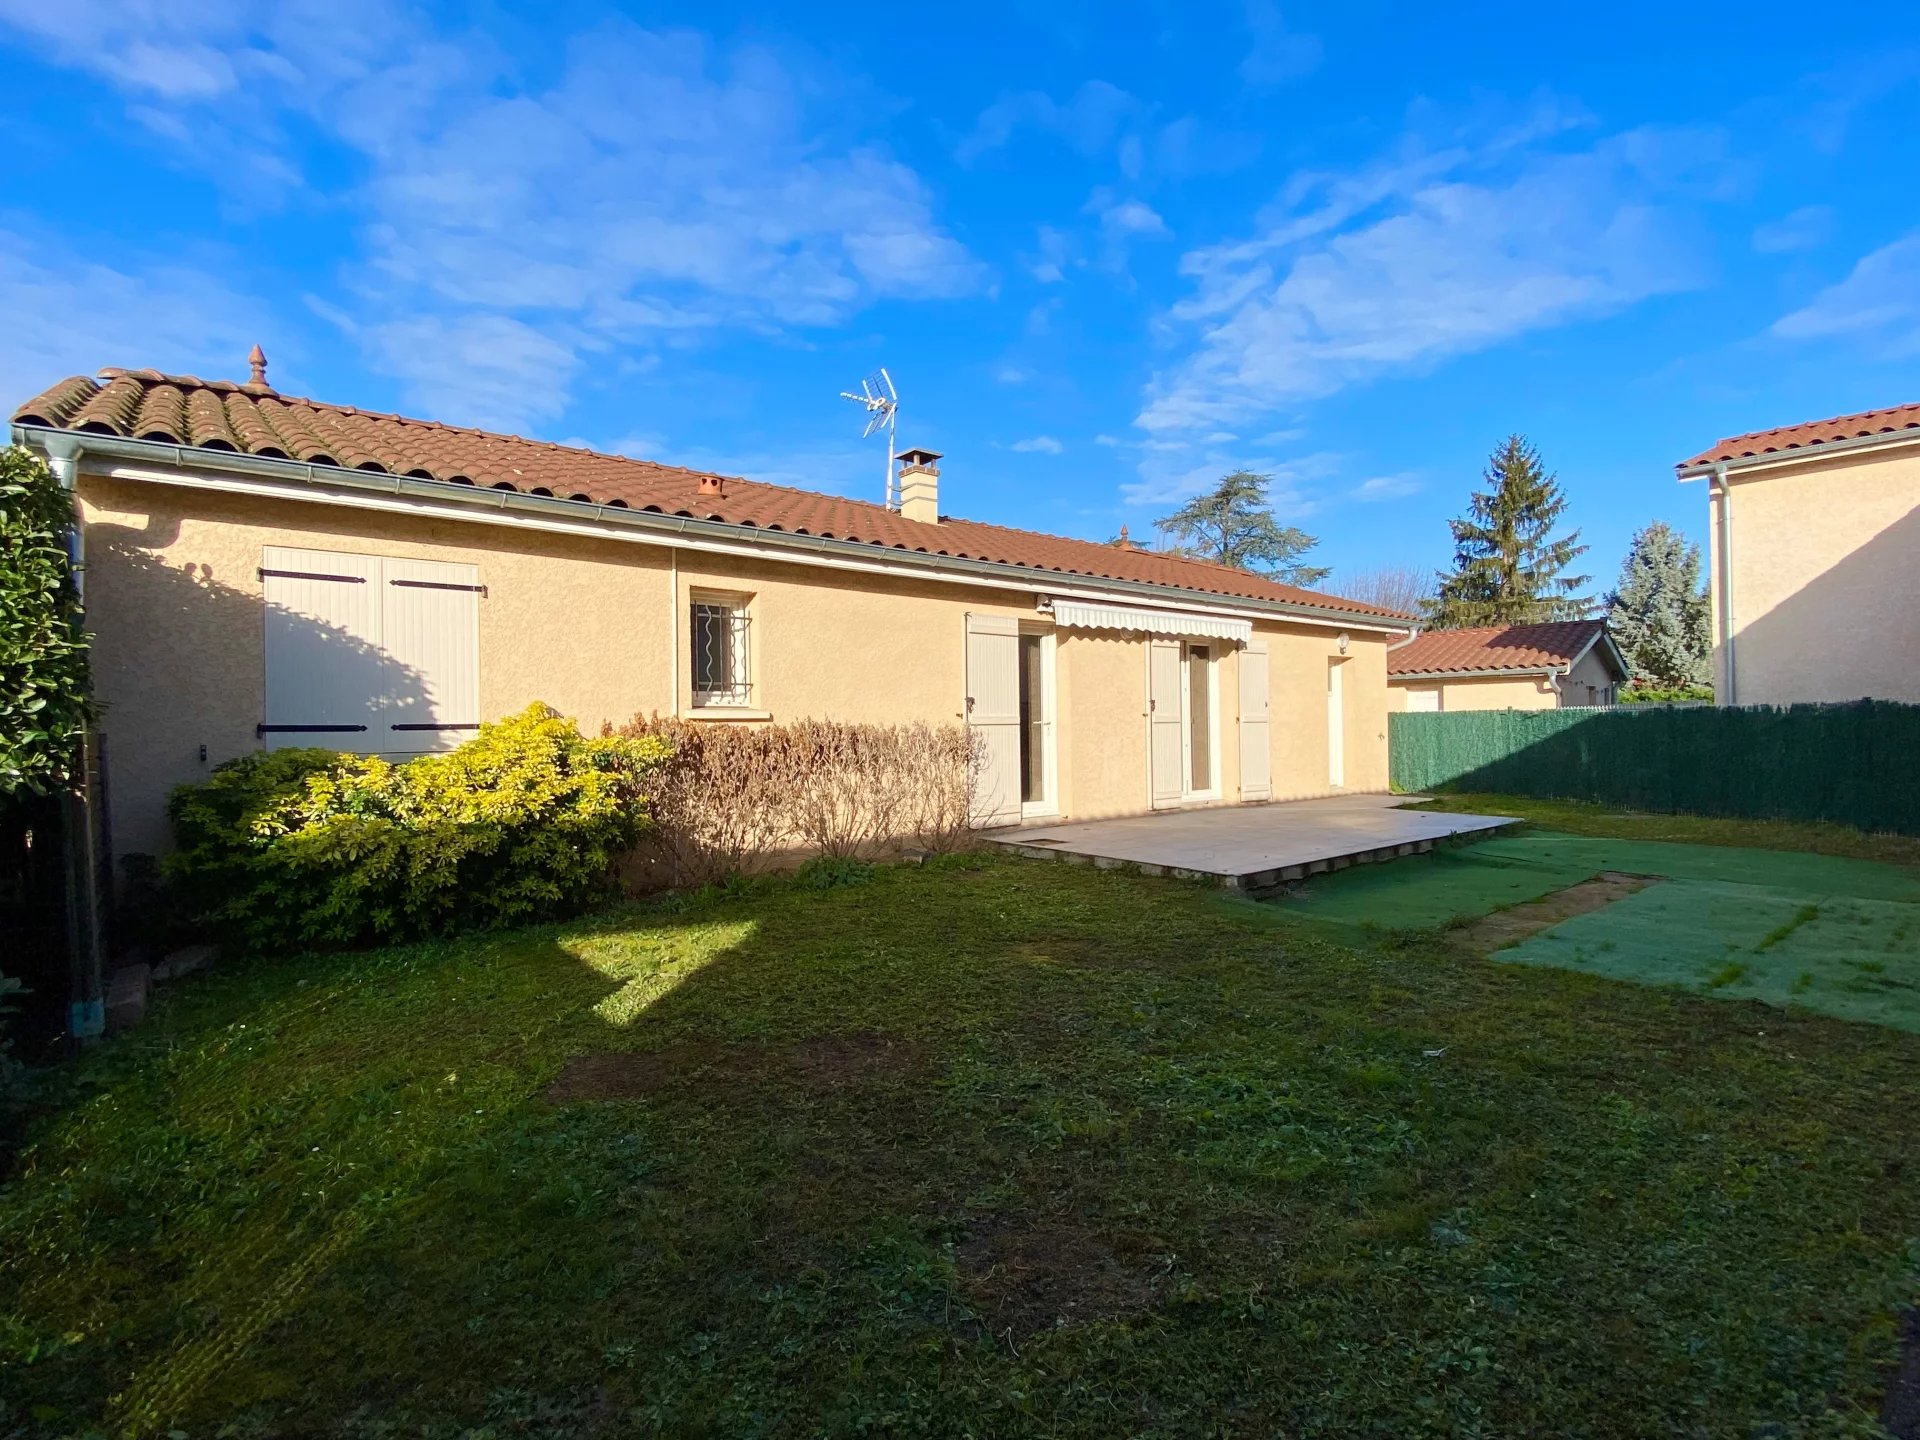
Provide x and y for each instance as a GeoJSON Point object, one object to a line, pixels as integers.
{"type": "Point", "coordinates": [1027, 1149]}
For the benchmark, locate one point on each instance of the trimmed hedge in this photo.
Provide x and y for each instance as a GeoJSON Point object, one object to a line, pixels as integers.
{"type": "Point", "coordinates": [1850, 764]}
{"type": "Point", "coordinates": [44, 697]}
{"type": "Point", "coordinates": [300, 848]}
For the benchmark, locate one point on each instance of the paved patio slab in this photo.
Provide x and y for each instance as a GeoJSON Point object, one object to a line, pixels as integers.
{"type": "Point", "coordinates": [1254, 847]}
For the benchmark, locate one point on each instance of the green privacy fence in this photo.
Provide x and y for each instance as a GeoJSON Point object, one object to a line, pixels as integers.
{"type": "Point", "coordinates": [1858, 764]}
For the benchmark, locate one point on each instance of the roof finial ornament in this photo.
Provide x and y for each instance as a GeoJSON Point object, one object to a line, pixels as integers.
{"type": "Point", "coordinates": [257, 358]}
{"type": "Point", "coordinates": [1125, 542]}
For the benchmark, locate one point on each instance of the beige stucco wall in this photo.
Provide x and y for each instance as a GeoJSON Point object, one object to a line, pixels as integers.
{"type": "Point", "coordinates": [1519, 692]}
{"type": "Point", "coordinates": [1826, 581]}
{"type": "Point", "coordinates": [598, 629]}
{"type": "Point", "coordinates": [1489, 692]}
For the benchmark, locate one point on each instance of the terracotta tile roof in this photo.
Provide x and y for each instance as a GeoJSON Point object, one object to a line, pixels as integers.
{"type": "Point", "coordinates": [253, 419]}
{"type": "Point", "coordinates": [1494, 647]}
{"type": "Point", "coordinates": [1814, 432]}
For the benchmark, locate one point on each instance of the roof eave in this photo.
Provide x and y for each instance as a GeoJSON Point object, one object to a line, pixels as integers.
{"type": "Point", "coordinates": [71, 443]}
{"type": "Point", "coordinates": [1700, 469]}
{"type": "Point", "coordinates": [1503, 672]}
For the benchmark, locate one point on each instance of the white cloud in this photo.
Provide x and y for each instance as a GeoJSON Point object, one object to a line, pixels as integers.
{"type": "Point", "coordinates": [1038, 445]}
{"type": "Point", "coordinates": [1089, 122]}
{"type": "Point", "coordinates": [1131, 217]}
{"type": "Point", "coordinates": [1279, 54]}
{"type": "Point", "coordinates": [478, 369]}
{"type": "Point", "coordinates": [1172, 473]}
{"type": "Point", "coordinates": [1877, 305]}
{"type": "Point", "coordinates": [1053, 253]}
{"type": "Point", "coordinates": [67, 316]}
{"type": "Point", "coordinates": [646, 189]}
{"type": "Point", "coordinates": [1387, 487]}
{"type": "Point", "coordinates": [1803, 229]}
{"type": "Point", "coordinates": [1428, 255]}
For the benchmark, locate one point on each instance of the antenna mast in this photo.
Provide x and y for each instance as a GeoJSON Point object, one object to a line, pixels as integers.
{"type": "Point", "coordinates": [882, 404]}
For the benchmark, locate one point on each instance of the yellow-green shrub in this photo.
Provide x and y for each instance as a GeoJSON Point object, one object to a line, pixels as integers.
{"type": "Point", "coordinates": [311, 847]}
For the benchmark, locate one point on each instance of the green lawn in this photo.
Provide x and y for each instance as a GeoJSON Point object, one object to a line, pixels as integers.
{"type": "Point", "coordinates": [1003, 1149]}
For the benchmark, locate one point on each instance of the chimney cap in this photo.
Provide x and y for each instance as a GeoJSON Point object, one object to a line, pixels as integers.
{"type": "Point", "coordinates": [919, 457]}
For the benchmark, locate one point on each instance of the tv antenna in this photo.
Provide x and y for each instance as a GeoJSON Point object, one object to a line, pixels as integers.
{"type": "Point", "coordinates": [882, 404]}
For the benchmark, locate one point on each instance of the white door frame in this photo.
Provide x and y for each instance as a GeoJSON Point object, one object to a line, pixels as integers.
{"type": "Point", "coordinates": [1212, 790]}
{"type": "Point", "coordinates": [1049, 802]}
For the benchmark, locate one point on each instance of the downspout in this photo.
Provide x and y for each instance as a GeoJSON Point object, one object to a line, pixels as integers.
{"type": "Point", "coordinates": [673, 625]}
{"type": "Point", "coordinates": [1730, 677]}
{"type": "Point", "coordinates": [87, 1005]}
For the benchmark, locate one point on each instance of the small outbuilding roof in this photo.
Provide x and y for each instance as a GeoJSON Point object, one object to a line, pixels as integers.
{"type": "Point", "coordinates": [1496, 649]}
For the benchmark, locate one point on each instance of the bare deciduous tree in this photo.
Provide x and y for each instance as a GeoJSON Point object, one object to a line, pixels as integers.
{"type": "Point", "coordinates": [1405, 588]}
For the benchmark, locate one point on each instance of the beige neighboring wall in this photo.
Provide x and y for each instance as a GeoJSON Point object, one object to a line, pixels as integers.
{"type": "Point", "coordinates": [1484, 692]}
{"type": "Point", "coordinates": [1826, 580]}
{"type": "Point", "coordinates": [599, 629]}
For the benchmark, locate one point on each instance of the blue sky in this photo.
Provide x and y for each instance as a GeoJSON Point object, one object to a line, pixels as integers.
{"type": "Point", "coordinates": [1108, 251]}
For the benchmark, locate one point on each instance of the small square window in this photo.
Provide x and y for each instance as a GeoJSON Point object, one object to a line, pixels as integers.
{"type": "Point", "coordinates": [721, 672]}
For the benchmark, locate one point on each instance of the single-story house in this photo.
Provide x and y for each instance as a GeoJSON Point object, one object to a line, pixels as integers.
{"type": "Point", "coordinates": [1506, 667]}
{"type": "Point", "coordinates": [261, 570]}
{"type": "Point", "coordinates": [1815, 559]}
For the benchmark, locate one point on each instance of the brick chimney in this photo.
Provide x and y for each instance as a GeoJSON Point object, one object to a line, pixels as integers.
{"type": "Point", "coordinates": [920, 485]}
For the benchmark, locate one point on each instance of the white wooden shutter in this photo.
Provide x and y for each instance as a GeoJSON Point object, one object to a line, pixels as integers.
{"type": "Point", "coordinates": [1165, 743]}
{"type": "Point", "coordinates": [431, 624]}
{"type": "Point", "coordinates": [993, 710]}
{"type": "Point", "coordinates": [1256, 754]}
{"type": "Point", "coordinates": [324, 660]}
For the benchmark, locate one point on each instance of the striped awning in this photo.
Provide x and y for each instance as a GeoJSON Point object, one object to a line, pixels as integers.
{"type": "Point", "coordinates": [1083, 615]}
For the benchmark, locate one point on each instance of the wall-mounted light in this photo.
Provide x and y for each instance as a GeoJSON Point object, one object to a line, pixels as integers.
{"type": "Point", "coordinates": [1342, 642]}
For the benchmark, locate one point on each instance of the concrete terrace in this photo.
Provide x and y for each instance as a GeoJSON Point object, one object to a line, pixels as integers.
{"type": "Point", "coordinates": [1253, 847]}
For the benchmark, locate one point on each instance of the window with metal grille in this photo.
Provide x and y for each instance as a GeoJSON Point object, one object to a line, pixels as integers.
{"type": "Point", "coordinates": [721, 675]}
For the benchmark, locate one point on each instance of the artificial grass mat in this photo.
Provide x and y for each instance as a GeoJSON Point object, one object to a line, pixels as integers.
{"type": "Point", "coordinates": [1835, 935]}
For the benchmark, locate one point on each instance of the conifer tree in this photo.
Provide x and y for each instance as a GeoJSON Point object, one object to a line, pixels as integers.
{"type": "Point", "coordinates": [1233, 524]}
{"type": "Point", "coordinates": [1509, 568]}
{"type": "Point", "coordinates": [1659, 612]}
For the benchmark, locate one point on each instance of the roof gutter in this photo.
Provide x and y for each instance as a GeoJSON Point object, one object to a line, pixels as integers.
{"type": "Point", "coordinates": [384, 490]}
{"type": "Point", "coordinates": [1798, 455]}
{"type": "Point", "coordinates": [1543, 671]}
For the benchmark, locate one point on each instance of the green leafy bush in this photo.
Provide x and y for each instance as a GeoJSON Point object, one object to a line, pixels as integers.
{"type": "Point", "coordinates": [294, 848]}
{"type": "Point", "coordinates": [1678, 695]}
{"type": "Point", "coordinates": [43, 651]}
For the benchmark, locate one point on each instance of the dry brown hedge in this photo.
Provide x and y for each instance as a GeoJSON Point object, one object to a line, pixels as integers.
{"type": "Point", "coordinates": [736, 799]}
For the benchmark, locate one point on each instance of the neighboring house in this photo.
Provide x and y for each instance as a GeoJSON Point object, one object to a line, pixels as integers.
{"type": "Point", "coordinates": [265, 571]}
{"type": "Point", "coordinates": [1816, 560]}
{"type": "Point", "coordinates": [1506, 667]}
